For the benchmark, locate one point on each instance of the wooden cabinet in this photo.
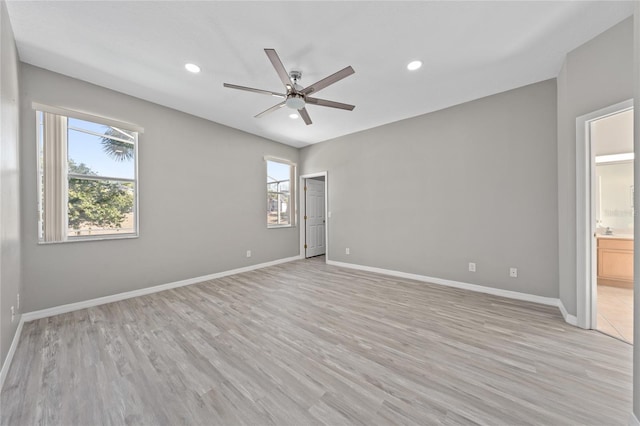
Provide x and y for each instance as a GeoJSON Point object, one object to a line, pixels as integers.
{"type": "Point", "coordinates": [615, 262]}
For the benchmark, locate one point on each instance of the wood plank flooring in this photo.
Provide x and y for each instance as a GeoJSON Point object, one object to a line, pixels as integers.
{"type": "Point", "coordinates": [304, 343]}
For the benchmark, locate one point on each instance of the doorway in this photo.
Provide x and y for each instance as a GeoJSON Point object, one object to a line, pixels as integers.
{"type": "Point", "coordinates": [314, 233]}
{"type": "Point", "coordinates": [605, 212]}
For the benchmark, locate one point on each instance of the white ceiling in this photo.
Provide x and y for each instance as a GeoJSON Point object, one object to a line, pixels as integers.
{"type": "Point", "coordinates": [469, 50]}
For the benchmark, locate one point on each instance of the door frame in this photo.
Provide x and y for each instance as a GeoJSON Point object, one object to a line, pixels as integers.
{"type": "Point", "coordinates": [303, 212]}
{"type": "Point", "coordinates": [586, 260]}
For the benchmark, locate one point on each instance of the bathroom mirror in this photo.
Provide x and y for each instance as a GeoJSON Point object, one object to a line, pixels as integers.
{"type": "Point", "coordinates": [614, 197]}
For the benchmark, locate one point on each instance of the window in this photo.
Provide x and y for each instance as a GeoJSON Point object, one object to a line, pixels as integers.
{"type": "Point", "coordinates": [87, 178]}
{"type": "Point", "coordinates": [280, 193]}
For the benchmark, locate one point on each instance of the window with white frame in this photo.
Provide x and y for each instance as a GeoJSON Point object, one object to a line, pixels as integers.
{"type": "Point", "coordinates": [280, 193]}
{"type": "Point", "coordinates": [87, 178]}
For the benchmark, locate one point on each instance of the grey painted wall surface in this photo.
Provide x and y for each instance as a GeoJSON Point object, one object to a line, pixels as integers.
{"type": "Point", "coordinates": [472, 183]}
{"type": "Point", "coordinates": [595, 75]}
{"type": "Point", "coordinates": [10, 238]}
{"type": "Point", "coordinates": [202, 200]}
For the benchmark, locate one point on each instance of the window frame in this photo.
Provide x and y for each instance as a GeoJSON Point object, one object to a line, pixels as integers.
{"type": "Point", "coordinates": [293, 210]}
{"type": "Point", "coordinates": [137, 130]}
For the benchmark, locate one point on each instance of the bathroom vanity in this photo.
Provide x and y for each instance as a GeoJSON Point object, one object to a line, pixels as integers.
{"type": "Point", "coordinates": [615, 260]}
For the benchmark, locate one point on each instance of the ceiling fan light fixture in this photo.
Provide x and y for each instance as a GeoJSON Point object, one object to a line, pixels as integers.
{"type": "Point", "coordinates": [414, 65]}
{"type": "Point", "coordinates": [295, 101]}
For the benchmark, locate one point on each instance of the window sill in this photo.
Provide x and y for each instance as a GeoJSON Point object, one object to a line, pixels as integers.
{"type": "Point", "coordinates": [279, 226]}
{"type": "Point", "coordinates": [91, 238]}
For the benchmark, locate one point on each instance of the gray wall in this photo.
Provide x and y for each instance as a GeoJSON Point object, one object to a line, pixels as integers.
{"type": "Point", "coordinates": [595, 75]}
{"type": "Point", "coordinates": [472, 183]}
{"type": "Point", "coordinates": [10, 238]}
{"type": "Point", "coordinates": [202, 200]}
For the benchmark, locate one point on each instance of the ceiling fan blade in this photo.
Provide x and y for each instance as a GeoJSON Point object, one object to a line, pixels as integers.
{"type": "Point", "coordinates": [251, 89]}
{"type": "Point", "coordinates": [333, 78]}
{"type": "Point", "coordinates": [305, 116]}
{"type": "Point", "coordinates": [280, 69]}
{"type": "Point", "coordinates": [331, 104]}
{"type": "Point", "coordinates": [273, 108]}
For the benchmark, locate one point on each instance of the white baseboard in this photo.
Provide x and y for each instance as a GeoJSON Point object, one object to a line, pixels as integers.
{"type": "Point", "coordinates": [633, 420]}
{"type": "Point", "coordinates": [570, 319]}
{"type": "Point", "coordinates": [12, 350]}
{"type": "Point", "coordinates": [551, 301]}
{"type": "Point", "coordinates": [63, 309]}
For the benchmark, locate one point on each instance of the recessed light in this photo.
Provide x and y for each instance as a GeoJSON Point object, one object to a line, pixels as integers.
{"type": "Point", "coordinates": [294, 116]}
{"type": "Point", "coordinates": [192, 68]}
{"type": "Point", "coordinates": [414, 65]}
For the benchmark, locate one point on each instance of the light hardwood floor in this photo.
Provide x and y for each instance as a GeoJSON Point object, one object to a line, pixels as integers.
{"type": "Point", "coordinates": [304, 343]}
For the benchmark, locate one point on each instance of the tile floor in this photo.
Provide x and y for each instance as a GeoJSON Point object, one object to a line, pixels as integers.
{"type": "Point", "coordinates": [615, 312]}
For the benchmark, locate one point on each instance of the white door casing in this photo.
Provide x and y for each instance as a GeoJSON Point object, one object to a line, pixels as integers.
{"type": "Point", "coordinates": [315, 218]}
{"type": "Point", "coordinates": [585, 216]}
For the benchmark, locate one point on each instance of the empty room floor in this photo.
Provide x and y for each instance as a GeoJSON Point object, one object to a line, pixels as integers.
{"type": "Point", "coordinates": [307, 343]}
{"type": "Point", "coordinates": [615, 312]}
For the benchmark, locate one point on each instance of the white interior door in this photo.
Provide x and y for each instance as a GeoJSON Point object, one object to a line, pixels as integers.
{"type": "Point", "coordinates": [314, 218]}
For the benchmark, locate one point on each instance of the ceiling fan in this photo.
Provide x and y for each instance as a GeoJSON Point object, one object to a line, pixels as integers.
{"type": "Point", "coordinates": [297, 96]}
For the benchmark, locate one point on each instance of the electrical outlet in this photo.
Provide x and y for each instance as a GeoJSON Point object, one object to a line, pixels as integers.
{"type": "Point", "coordinates": [18, 301]}
{"type": "Point", "coordinates": [472, 267]}
{"type": "Point", "coordinates": [513, 272]}
{"type": "Point", "coordinates": [13, 314]}
{"type": "Point", "coordinates": [248, 253]}
{"type": "Point", "coordinates": [347, 251]}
